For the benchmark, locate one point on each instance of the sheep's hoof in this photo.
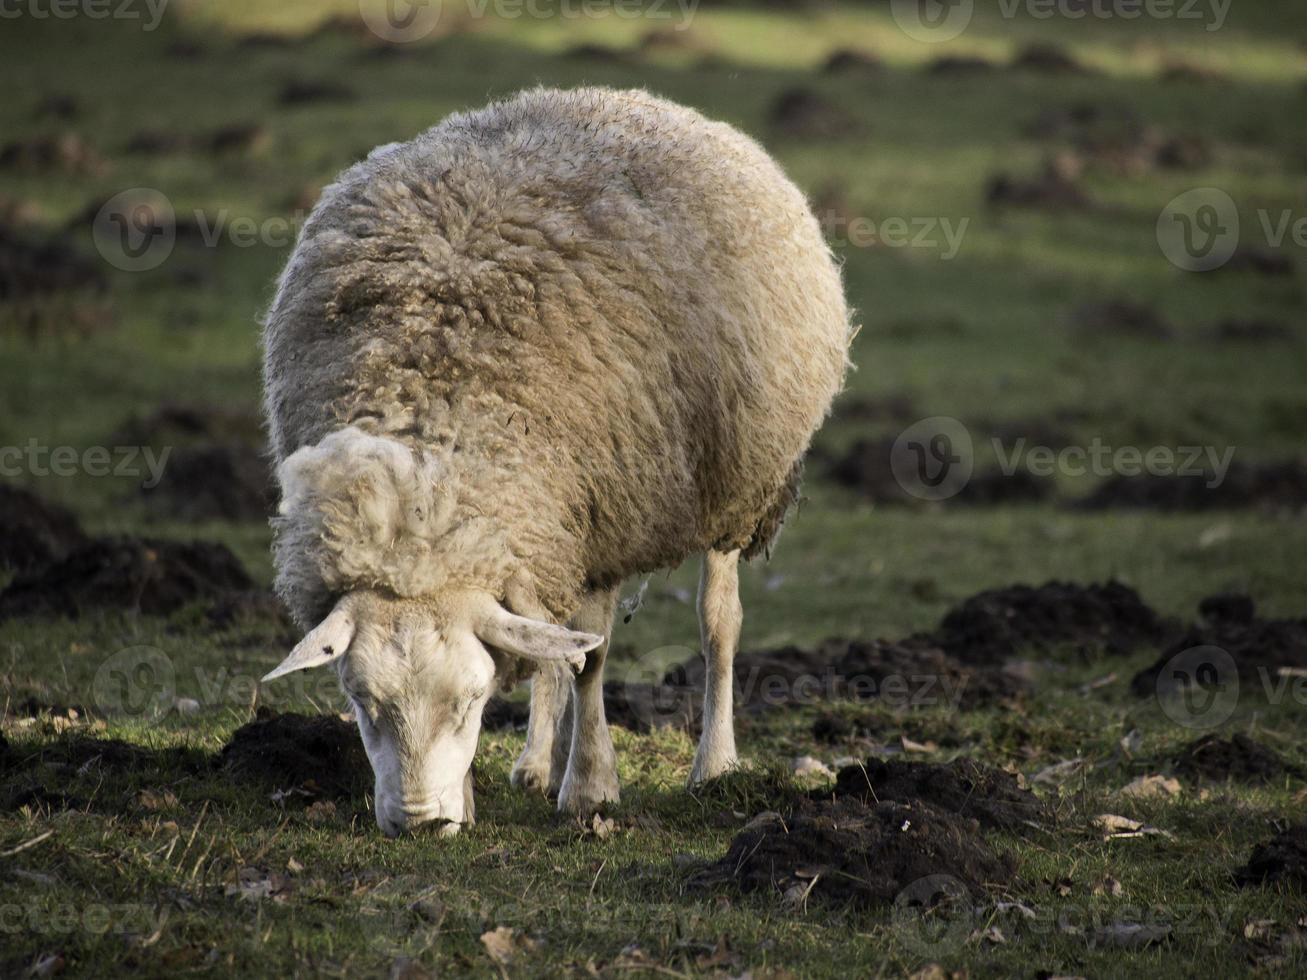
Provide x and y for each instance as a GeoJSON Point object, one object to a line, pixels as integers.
{"type": "Point", "coordinates": [532, 774]}
{"type": "Point", "coordinates": [584, 798]}
{"type": "Point", "coordinates": [705, 768]}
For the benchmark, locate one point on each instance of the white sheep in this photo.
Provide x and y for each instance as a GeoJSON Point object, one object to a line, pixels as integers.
{"type": "Point", "coordinates": [544, 346]}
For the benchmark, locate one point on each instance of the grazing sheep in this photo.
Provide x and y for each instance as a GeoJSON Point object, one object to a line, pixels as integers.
{"type": "Point", "coordinates": [544, 346]}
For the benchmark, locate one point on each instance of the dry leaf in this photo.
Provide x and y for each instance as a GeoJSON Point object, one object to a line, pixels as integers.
{"type": "Point", "coordinates": [1108, 886]}
{"type": "Point", "coordinates": [504, 943]}
{"type": "Point", "coordinates": [911, 746]}
{"type": "Point", "coordinates": [1146, 787]}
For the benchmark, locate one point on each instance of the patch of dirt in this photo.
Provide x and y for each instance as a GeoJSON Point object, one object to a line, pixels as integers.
{"type": "Point", "coordinates": [256, 610]}
{"type": "Point", "coordinates": [57, 105]}
{"type": "Point", "coordinates": [1281, 860]}
{"type": "Point", "coordinates": [998, 624]}
{"type": "Point", "coordinates": [505, 716]}
{"type": "Point", "coordinates": [321, 756]}
{"type": "Point", "coordinates": [1183, 71]}
{"type": "Point", "coordinates": [961, 65]}
{"type": "Point", "coordinates": [845, 852]}
{"type": "Point", "coordinates": [894, 409]}
{"type": "Point", "coordinates": [70, 772]}
{"type": "Point", "coordinates": [970, 789]}
{"type": "Point", "coordinates": [1252, 331]}
{"type": "Point", "coordinates": [1189, 152]}
{"type": "Point", "coordinates": [905, 675]}
{"type": "Point", "coordinates": [218, 482]}
{"type": "Point", "coordinates": [1055, 188]}
{"type": "Point", "coordinates": [599, 52]}
{"type": "Point", "coordinates": [1239, 758]}
{"type": "Point", "coordinates": [869, 467]}
{"type": "Point", "coordinates": [1257, 646]}
{"type": "Point", "coordinates": [801, 113]}
{"type": "Point", "coordinates": [30, 269]}
{"type": "Point", "coordinates": [188, 424]}
{"type": "Point", "coordinates": [1279, 486]}
{"type": "Point", "coordinates": [1048, 59]}
{"type": "Point", "coordinates": [66, 153]}
{"type": "Point", "coordinates": [1120, 318]}
{"type": "Point", "coordinates": [303, 91]}
{"type": "Point", "coordinates": [852, 61]}
{"type": "Point", "coordinates": [237, 138]}
{"type": "Point", "coordinates": [1260, 260]}
{"type": "Point", "coordinates": [34, 533]}
{"type": "Point", "coordinates": [143, 575]}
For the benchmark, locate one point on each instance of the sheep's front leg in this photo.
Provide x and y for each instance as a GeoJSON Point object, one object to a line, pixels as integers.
{"type": "Point", "coordinates": [548, 732]}
{"type": "Point", "coordinates": [591, 778]}
{"type": "Point", "coordinates": [720, 616]}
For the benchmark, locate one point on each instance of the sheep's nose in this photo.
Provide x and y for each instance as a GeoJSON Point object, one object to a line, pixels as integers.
{"type": "Point", "coordinates": [395, 823]}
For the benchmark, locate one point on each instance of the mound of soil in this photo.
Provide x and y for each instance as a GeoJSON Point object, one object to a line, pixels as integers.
{"type": "Point", "coordinates": [301, 91]}
{"type": "Point", "coordinates": [1252, 331]}
{"type": "Point", "coordinates": [218, 482]}
{"type": "Point", "coordinates": [998, 624]}
{"type": "Point", "coordinates": [851, 60]}
{"type": "Point", "coordinates": [30, 269]}
{"type": "Point", "coordinates": [846, 852]}
{"type": "Point", "coordinates": [57, 105]}
{"type": "Point", "coordinates": [800, 113]}
{"type": "Point", "coordinates": [322, 756]}
{"type": "Point", "coordinates": [991, 796]}
{"type": "Point", "coordinates": [1261, 260]}
{"type": "Point", "coordinates": [1047, 58]}
{"type": "Point", "coordinates": [1239, 757]}
{"type": "Point", "coordinates": [1258, 647]}
{"type": "Point", "coordinates": [236, 138]}
{"type": "Point", "coordinates": [128, 574]}
{"type": "Point", "coordinates": [1120, 318]}
{"type": "Point", "coordinates": [1275, 486]}
{"type": "Point", "coordinates": [869, 467]}
{"type": "Point", "coordinates": [66, 153]}
{"type": "Point", "coordinates": [34, 533]}
{"type": "Point", "coordinates": [960, 65]}
{"type": "Point", "coordinates": [1281, 860]}
{"type": "Point", "coordinates": [184, 424]}
{"type": "Point", "coordinates": [70, 772]}
{"type": "Point", "coordinates": [912, 674]}
{"type": "Point", "coordinates": [1055, 188]}
{"type": "Point", "coordinates": [505, 716]}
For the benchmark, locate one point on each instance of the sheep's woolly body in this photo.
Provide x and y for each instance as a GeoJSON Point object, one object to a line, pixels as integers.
{"type": "Point", "coordinates": [568, 338]}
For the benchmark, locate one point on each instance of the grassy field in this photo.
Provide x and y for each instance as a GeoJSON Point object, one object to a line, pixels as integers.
{"type": "Point", "coordinates": [152, 860]}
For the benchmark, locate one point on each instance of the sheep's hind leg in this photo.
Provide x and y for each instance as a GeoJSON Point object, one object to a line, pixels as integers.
{"type": "Point", "coordinates": [548, 732]}
{"type": "Point", "coordinates": [591, 778]}
{"type": "Point", "coordinates": [720, 616]}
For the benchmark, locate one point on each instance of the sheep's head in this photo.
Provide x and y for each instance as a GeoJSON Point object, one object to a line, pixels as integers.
{"type": "Point", "coordinates": [419, 673]}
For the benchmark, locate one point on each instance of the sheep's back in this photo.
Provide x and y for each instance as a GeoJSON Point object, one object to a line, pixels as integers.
{"type": "Point", "coordinates": [626, 310]}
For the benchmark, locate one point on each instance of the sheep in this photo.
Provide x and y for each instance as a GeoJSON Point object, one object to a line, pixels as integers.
{"type": "Point", "coordinates": [547, 345]}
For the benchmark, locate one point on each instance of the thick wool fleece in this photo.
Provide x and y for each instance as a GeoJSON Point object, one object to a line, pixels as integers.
{"type": "Point", "coordinates": [558, 341]}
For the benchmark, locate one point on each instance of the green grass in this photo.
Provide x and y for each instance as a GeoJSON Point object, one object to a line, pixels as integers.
{"type": "Point", "coordinates": [97, 889]}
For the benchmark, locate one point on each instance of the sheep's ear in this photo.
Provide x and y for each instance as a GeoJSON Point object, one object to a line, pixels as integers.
{"type": "Point", "coordinates": [532, 638]}
{"type": "Point", "coordinates": [328, 641]}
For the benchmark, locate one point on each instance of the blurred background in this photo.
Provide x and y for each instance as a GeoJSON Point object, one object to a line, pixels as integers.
{"type": "Point", "coordinates": [1067, 225]}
